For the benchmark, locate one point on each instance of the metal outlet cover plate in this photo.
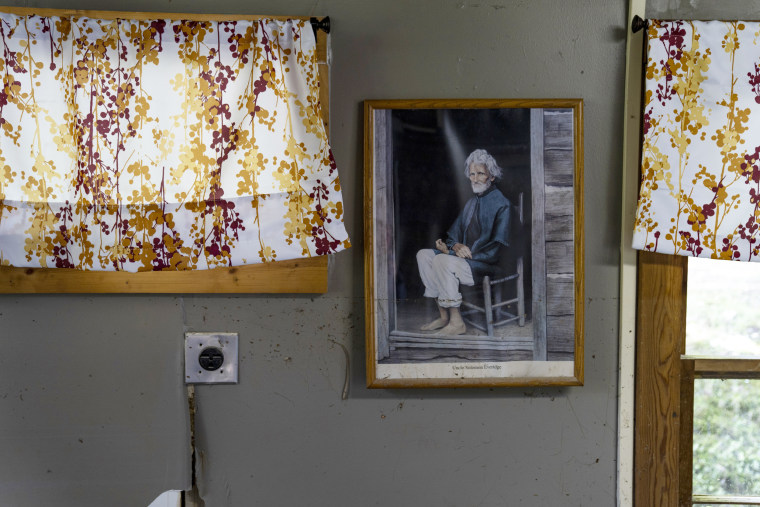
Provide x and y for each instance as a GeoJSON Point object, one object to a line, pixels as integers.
{"type": "Point", "coordinates": [195, 343]}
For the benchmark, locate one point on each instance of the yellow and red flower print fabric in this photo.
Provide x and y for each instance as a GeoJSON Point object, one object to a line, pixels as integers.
{"type": "Point", "coordinates": [700, 188]}
{"type": "Point", "coordinates": [159, 144]}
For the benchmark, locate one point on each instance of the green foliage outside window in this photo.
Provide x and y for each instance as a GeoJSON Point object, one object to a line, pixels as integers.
{"type": "Point", "coordinates": [726, 437]}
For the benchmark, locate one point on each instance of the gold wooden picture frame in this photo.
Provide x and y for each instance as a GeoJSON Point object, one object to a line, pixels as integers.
{"type": "Point", "coordinates": [522, 307]}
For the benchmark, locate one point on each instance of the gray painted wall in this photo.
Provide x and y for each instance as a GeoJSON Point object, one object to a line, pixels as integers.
{"type": "Point", "coordinates": [702, 9]}
{"type": "Point", "coordinates": [109, 367]}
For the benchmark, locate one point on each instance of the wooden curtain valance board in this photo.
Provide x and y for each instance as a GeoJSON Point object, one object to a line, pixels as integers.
{"type": "Point", "coordinates": [306, 276]}
{"type": "Point", "coordinates": [28, 11]}
{"type": "Point", "coordinates": [295, 276]}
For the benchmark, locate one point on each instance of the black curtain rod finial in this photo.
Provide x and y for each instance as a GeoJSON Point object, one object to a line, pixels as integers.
{"type": "Point", "coordinates": [323, 24]}
{"type": "Point", "coordinates": [638, 23]}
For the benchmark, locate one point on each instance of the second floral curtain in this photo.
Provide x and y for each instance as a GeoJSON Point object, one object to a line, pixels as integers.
{"type": "Point", "coordinates": [700, 189]}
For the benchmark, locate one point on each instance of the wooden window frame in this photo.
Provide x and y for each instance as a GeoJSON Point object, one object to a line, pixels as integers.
{"type": "Point", "coordinates": [660, 341]}
{"type": "Point", "coordinates": [693, 368]}
{"type": "Point", "coordinates": [308, 275]}
{"type": "Point", "coordinates": [664, 387]}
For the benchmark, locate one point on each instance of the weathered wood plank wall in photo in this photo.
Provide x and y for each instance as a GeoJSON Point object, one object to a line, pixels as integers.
{"type": "Point", "coordinates": [559, 237]}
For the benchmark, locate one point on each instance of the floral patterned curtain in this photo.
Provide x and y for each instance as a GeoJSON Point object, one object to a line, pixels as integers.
{"type": "Point", "coordinates": [700, 189]}
{"type": "Point", "coordinates": [162, 145]}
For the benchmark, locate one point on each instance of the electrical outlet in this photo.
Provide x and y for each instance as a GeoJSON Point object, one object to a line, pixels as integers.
{"type": "Point", "coordinates": [211, 358]}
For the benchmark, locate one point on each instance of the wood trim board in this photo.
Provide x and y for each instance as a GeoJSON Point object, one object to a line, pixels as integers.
{"type": "Point", "coordinates": [627, 312]}
{"type": "Point", "coordinates": [660, 341]}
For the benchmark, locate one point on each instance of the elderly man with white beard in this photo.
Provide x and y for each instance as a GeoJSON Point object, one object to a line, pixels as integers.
{"type": "Point", "coordinates": [472, 245]}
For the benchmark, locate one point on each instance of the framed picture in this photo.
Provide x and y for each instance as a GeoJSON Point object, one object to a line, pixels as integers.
{"type": "Point", "coordinates": [474, 242]}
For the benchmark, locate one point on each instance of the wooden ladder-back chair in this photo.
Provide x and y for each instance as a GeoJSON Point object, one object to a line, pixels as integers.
{"type": "Point", "coordinates": [495, 310]}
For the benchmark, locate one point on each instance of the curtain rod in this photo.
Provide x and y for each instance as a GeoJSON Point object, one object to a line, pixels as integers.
{"type": "Point", "coordinates": [637, 24]}
{"type": "Point", "coordinates": [316, 23]}
{"type": "Point", "coordinates": [323, 24]}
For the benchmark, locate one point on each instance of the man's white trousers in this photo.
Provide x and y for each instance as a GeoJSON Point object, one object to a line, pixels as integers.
{"type": "Point", "coordinates": [442, 274]}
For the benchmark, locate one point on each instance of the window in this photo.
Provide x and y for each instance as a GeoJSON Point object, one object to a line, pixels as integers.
{"type": "Point", "coordinates": [722, 330]}
{"type": "Point", "coordinates": [697, 415]}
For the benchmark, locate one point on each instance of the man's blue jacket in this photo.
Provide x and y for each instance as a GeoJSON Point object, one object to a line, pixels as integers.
{"type": "Point", "coordinates": [492, 212]}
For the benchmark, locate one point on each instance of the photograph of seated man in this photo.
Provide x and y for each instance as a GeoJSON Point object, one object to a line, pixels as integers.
{"type": "Point", "coordinates": [472, 244]}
